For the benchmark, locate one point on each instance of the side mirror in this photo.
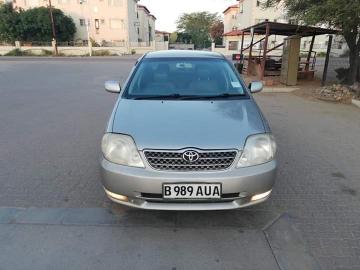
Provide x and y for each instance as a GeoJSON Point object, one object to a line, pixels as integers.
{"type": "Point", "coordinates": [112, 86]}
{"type": "Point", "coordinates": [256, 87]}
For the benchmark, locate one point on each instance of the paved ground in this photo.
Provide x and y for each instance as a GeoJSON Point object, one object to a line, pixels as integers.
{"type": "Point", "coordinates": [52, 115]}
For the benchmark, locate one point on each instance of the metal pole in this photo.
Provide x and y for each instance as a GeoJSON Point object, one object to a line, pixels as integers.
{"type": "Point", "coordinates": [53, 27]}
{"type": "Point", "coordinates": [263, 62]}
{"type": "Point", "coordinates": [327, 60]}
{"type": "Point", "coordinates": [309, 54]}
{"type": "Point", "coordinates": [250, 53]}
{"type": "Point", "coordinates": [242, 42]}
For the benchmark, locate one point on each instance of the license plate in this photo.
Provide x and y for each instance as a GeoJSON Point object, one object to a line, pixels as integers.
{"type": "Point", "coordinates": [191, 191]}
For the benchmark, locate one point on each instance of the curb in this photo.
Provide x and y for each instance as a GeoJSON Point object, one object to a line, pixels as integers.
{"type": "Point", "coordinates": [356, 102]}
{"type": "Point", "coordinates": [279, 89]}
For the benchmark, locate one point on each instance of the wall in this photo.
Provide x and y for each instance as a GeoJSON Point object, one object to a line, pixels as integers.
{"type": "Point", "coordinates": [81, 51]}
{"type": "Point", "coordinates": [120, 12]}
{"type": "Point", "coordinates": [320, 45]}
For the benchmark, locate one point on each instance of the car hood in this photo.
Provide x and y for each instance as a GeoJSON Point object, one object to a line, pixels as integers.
{"type": "Point", "coordinates": [178, 124]}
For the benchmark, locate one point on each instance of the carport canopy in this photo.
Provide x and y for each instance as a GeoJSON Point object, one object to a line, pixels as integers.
{"type": "Point", "coordinates": [268, 28]}
{"type": "Point", "coordinates": [285, 29]}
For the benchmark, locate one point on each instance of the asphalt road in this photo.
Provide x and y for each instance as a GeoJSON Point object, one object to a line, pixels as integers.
{"type": "Point", "coordinates": [52, 116]}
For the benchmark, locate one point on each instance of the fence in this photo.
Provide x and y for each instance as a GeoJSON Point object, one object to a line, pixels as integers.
{"type": "Point", "coordinates": [74, 48]}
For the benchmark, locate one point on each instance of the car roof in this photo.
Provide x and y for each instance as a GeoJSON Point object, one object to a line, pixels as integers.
{"type": "Point", "coordinates": [183, 53]}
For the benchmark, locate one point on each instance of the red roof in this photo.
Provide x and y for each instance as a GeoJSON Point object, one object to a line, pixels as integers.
{"type": "Point", "coordinates": [234, 33]}
{"type": "Point", "coordinates": [231, 7]}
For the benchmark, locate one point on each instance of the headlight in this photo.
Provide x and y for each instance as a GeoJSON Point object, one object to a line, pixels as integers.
{"type": "Point", "coordinates": [121, 149]}
{"type": "Point", "coordinates": [259, 149]}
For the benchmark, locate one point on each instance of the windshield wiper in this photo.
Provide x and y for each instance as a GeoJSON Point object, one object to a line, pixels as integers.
{"type": "Point", "coordinates": [171, 96]}
{"type": "Point", "coordinates": [223, 95]}
{"type": "Point", "coordinates": [188, 97]}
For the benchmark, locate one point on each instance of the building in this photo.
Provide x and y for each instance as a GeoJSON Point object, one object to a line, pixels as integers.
{"type": "Point", "coordinates": [108, 22]}
{"type": "Point", "coordinates": [231, 18]}
{"type": "Point", "coordinates": [145, 25]}
{"type": "Point", "coordinates": [250, 12]}
{"type": "Point", "coordinates": [162, 36]}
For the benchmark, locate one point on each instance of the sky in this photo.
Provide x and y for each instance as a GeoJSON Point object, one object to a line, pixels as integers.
{"type": "Point", "coordinates": [168, 11]}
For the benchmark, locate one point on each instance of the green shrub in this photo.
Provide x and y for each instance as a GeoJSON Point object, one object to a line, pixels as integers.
{"type": "Point", "coordinates": [15, 52]}
{"type": "Point", "coordinates": [101, 53]}
{"type": "Point", "coordinates": [46, 53]}
{"type": "Point", "coordinates": [18, 52]}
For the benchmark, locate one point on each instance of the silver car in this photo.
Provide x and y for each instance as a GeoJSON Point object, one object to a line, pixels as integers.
{"type": "Point", "coordinates": [186, 134]}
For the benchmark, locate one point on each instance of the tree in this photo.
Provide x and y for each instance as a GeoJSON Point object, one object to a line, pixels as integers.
{"type": "Point", "coordinates": [10, 26]}
{"type": "Point", "coordinates": [173, 37]}
{"type": "Point", "coordinates": [184, 37]}
{"type": "Point", "coordinates": [342, 14]}
{"type": "Point", "coordinates": [197, 25]}
{"type": "Point", "coordinates": [36, 25]}
{"type": "Point", "coordinates": [217, 32]}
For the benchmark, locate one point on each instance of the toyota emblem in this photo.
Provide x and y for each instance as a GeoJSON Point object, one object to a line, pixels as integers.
{"type": "Point", "coordinates": [190, 156]}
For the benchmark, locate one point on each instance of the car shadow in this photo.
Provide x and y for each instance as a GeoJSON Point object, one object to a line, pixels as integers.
{"type": "Point", "coordinates": [243, 219]}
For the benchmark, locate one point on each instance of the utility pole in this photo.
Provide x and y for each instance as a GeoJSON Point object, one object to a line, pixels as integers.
{"type": "Point", "coordinates": [53, 28]}
{"type": "Point", "coordinates": [87, 24]}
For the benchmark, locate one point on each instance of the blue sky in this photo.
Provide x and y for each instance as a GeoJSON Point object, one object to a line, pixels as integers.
{"type": "Point", "coordinates": [167, 11]}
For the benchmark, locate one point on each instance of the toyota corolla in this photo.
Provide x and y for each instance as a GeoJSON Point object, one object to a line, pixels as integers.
{"type": "Point", "coordinates": [186, 134]}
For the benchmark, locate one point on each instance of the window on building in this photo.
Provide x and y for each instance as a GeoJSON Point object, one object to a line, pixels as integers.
{"type": "Point", "coordinates": [82, 2]}
{"type": "Point", "coordinates": [293, 21]}
{"type": "Point", "coordinates": [82, 22]}
{"type": "Point", "coordinates": [233, 45]}
{"type": "Point", "coordinates": [241, 8]}
{"type": "Point", "coordinates": [138, 31]}
{"type": "Point", "coordinates": [97, 24]}
{"type": "Point", "coordinates": [234, 28]}
{"type": "Point", "coordinates": [102, 21]}
{"type": "Point", "coordinates": [117, 24]}
{"type": "Point", "coordinates": [115, 3]}
{"type": "Point", "coordinates": [233, 16]}
{"type": "Point", "coordinates": [257, 3]}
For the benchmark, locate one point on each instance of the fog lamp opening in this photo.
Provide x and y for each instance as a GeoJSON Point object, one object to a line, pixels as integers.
{"type": "Point", "coordinates": [115, 196]}
{"type": "Point", "coordinates": [261, 196]}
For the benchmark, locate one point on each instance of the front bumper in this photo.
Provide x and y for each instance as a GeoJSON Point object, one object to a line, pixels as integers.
{"type": "Point", "coordinates": [137, 183]}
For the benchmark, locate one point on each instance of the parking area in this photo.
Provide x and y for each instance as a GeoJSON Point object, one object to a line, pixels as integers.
{"type": "Point", "coordinates": [52, 116]}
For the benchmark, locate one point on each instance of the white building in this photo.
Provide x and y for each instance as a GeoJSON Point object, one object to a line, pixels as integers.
{"type": "Point", "coordinates": [108, 21]}
{"type": "Point", "coordinates": [145, 25]}
{"type": "Point", "coordinates": [250, 12]}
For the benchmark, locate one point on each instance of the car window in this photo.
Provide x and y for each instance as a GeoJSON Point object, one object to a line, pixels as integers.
{"type": "Point", "coordinates": [184, 77]}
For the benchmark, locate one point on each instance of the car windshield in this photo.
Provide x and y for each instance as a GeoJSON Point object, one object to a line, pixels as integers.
{"type": "Point", "coordinates": [184, 78]}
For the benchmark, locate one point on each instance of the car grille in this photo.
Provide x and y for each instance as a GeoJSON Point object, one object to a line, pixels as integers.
{"type": "Point", "coordinates": [173, 160]}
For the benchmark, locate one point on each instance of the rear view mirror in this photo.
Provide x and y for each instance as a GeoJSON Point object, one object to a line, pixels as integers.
{"type": "Point", "coordinates": [112, 86]}
{"type": "Point", "coordinates": [256, 86]}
